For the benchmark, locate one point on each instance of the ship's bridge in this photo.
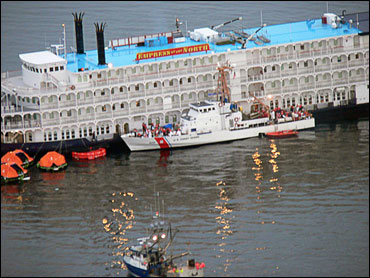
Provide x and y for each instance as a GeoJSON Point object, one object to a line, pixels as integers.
{"type": "Point", "coordinates": [39, 68]}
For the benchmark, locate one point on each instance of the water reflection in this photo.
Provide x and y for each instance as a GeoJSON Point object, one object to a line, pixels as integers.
{"type": "Point", "coordinates": [223, 219]}
{"type": "Point", "coordinates": [163, 159]}
{"type": "Point", "coordinates": [118, 224]}
{"type": "Point", "coordinates": [11, 194]}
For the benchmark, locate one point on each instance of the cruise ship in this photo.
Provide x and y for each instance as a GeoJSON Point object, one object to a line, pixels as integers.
{"type": "Point", "coordinates": [69, 101]}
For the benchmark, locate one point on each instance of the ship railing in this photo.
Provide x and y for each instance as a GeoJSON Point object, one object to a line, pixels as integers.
{"type": "Point", "coordinates": [340, 81]}
{"type": "Point", "coordinates": [272, 91]}
{"type": "Point", "coordinates": [102, 99]}
{"type": "Point", "coordinates": [152, 92]}
{"type": "Point", "coordinates": [339, 65]}
{"type": "Point", "coordinates": [355, 79]}
{"type": "Point", "coordinates": [45, 106]}
{"type": "Point", "coordinates": [50, 122]}
{"type": "Point", "coordinates": [104, 115]}
{"type": "Point", "coordinates": [305, 70]}
{"type": "Point", "coordinates": [290, 89]}
{"type": "Point", "coordinates": [186, 103]}
{"type": "Point", "coordinates": [357, 63]}
{"type": "Point", "coordinates": [137, 94]}
{"type": "Point", "coordinates": [155, 108]}
{"type": "Point", "coordinates": [68, 120]}
{"type": "Point", "coordinates": [85, 101]}
{"type": "Point", "coordinates": [305, 54]}
{"type": "Point", "coordinates": [288, 73]}
{"type": "Point", "coordinates": [323, 84]}
{"type": "Point", "coordinates": [67, 104]}
{"type": "Point", "coordinates": [306, 87]}
{"type": "Point", "coordinates": [322, 68]}
{"type": "Point", "coordinates": [120, 95]}
{"type": "Point", "coordinates": [137, 110]}
{"type": "Point", "coordinates": [170, 90]}
{"type": "Point", "coordinates": [118, 113]}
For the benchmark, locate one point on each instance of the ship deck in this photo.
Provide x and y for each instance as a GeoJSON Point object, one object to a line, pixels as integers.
{"type": "Point", "coordinates": [277, 34]}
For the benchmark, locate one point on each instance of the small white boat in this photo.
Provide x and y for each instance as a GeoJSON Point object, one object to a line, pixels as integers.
{"type": "Point", "coordinates": [212, 122]}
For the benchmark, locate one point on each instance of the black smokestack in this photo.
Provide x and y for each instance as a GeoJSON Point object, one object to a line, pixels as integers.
{"type": "Point", "coordinates": [79, 32]}
{"type": "Point", "coordinates": [100, 42]}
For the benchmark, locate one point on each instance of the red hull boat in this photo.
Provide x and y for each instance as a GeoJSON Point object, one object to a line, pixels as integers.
{"type": "Point", "coordinates": [282, 134]}
{"type": "Point", "coordinates": [90, 154]}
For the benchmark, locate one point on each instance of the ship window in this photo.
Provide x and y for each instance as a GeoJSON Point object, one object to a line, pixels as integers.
{"type": "Point", "coordinates": [138, 104]}
{"type": "Point", "coordinates": [290, 66]}
{"type": "Point", "coordinates": [181, 81]}
{"type": "Point", "coordinates": [90, 131]}
{"type": "Point", "coordinates": [37, 70]}
{"type": "Point", "coordinates": [30, 137]}
{"type": "Point", "coordinates": [137, 88]}
{"type": "Point", "coordinates": [122, 105]}
{"type": "Point", "coordinates": [50, 136]}
{"type": "Point", "coordinates": [45, 70]}
{"type": "Point", "coordinates": [56, 68]}
{"type": "Point", "coordinates": [97, 130]}
{"type": "Point", "coordinates": [61, 67]}
{"type": "Point", "coordinates": [51, 69]}
{"type": "Point", "coordinates": [80, 132]}
{"type": "Point", "coordinates": [121, 89]}
{"type": "Point", "coordinates": [273, 68]}
{"type": "Point", "coordinates": [155, 85]}
{"type": "Point", "coordinates": [166, 119]}
{"type": "Point", "coordinates": [44, 136]}
{"type": "Point", "coordinates": [302, 47]}
{"type": "Point", "coordinates": [104, 108]}
{"type": "Point", "coordinates": [67, 134]}
{"type": "Point", "coordinates": [69, 113]}
{"type": "Point", "coordinates": [174, 119]}
{"type": "Point", "coordinates": [102, 130]}
{"type": "Point", "coordinates": [85, 132]}
{"type": "Point", "coordinates": [305, 64]}
{"type": "Point", "coordinates": [107, 129]}
{"type": "Point", "coordinates": [171, 82]}
{"type": "Point", "coordinates": [73, 133]}
{"type": "Point", "coordinates": [339, 59]}
{"type": "Point", "coordinates": [189, 80]}
{"type": "Point", "coordinates": [99, 75]}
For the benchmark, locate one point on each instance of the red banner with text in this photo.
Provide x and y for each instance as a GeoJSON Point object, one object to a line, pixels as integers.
{"type": "Point", "coordinates": [172, 51]}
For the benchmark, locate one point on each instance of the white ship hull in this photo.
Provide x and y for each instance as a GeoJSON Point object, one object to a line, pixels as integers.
{"type": "Point", "coordinates": [171, 142]}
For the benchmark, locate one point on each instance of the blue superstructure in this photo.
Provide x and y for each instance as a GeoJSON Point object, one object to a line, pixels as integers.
{"type": "Point", "coordinates": [278, 34]}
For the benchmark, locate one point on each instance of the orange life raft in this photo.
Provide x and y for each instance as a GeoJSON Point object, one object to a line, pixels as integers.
{"type": "Point", "coordinates": [52, 161]}
{"type": "Point", "coordinates": [90, 154]}
{"type": "Point", "coordinates": [282, 134]}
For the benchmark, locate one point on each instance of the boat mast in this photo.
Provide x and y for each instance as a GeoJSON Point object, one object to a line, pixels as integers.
{"type": "Point", "coordinates": [222, 84]}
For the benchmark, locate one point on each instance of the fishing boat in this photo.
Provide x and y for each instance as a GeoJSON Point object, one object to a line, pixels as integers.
{"type": "Point", "coordinates": [12, 172]}
{"type": "Point", "coordinates": [89, 155]}
{"type": "Point", "coordinates": [52, 161]}
{"type": "Point", "coordinates": [18, 156]}
{"type": "Point", "coordinates": [151, 258]}
{"type": "Point", "coordinates": [89, 98]}
{"type": "Point", "coordinates": [209, 122]}
{"type": "Point", "coordinates": [282, 134]}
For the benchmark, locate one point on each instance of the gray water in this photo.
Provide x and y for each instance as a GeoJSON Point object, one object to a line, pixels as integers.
{"type": "Point", "coordinates": [256, 207]}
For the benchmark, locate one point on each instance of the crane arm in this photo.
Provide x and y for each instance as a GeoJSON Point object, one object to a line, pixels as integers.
{"type": "Point", "coordinates": [215, 27]}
